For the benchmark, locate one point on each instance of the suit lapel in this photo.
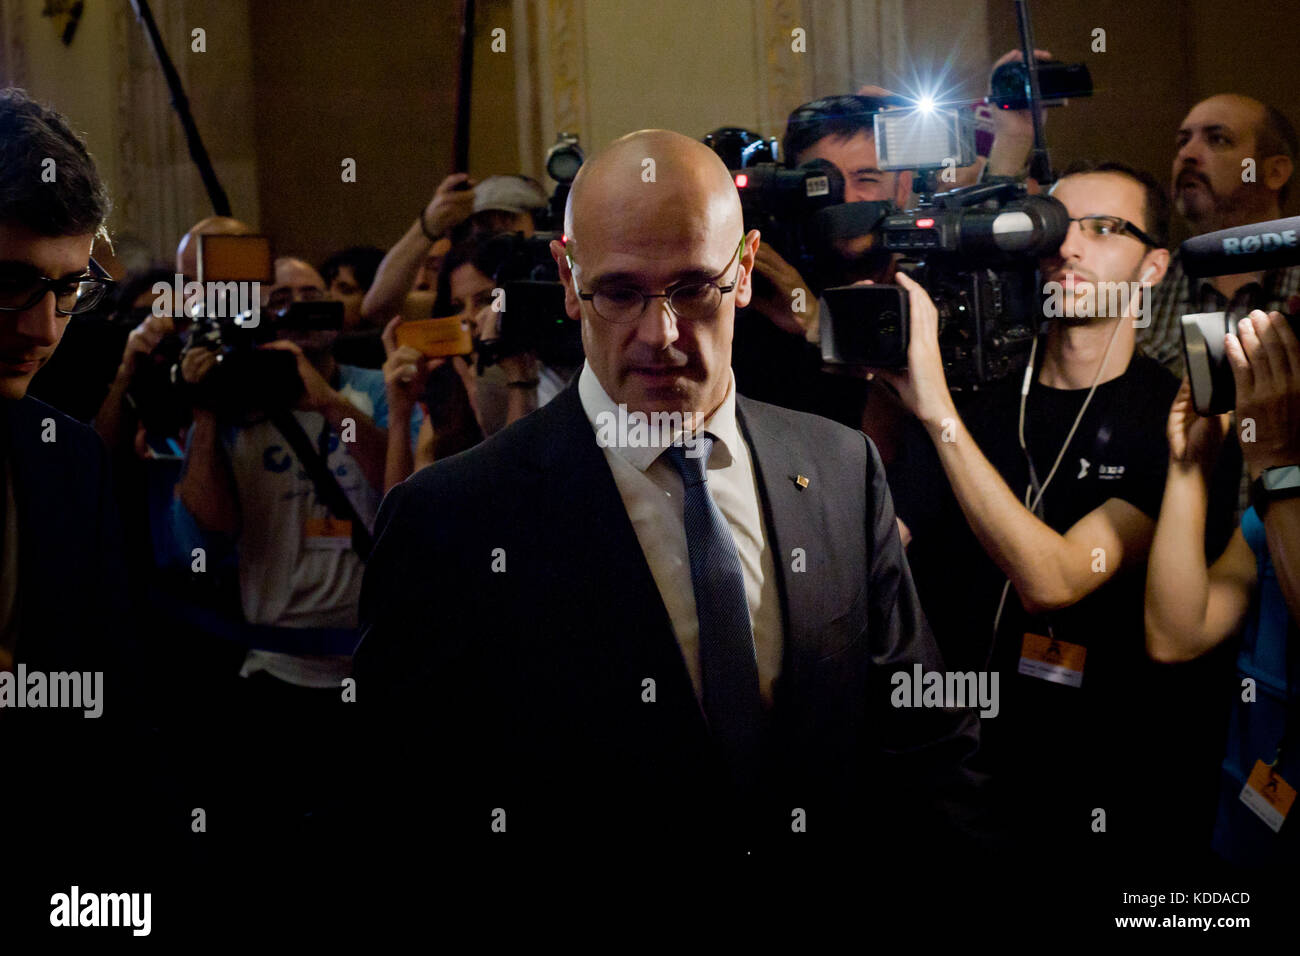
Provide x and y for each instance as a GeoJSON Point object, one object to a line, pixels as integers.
{"type": "Point", "coordinates": [623, 616]}
{"type": "Point", "coordinates": [794, 516]}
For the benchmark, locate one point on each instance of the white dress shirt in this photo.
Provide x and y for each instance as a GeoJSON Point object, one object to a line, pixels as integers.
{"type": "Point", "coordinates": [651, 489]}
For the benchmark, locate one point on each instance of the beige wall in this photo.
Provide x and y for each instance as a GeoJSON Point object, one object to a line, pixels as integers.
{"type": "Point", "coordinates": [108, 84]}
{"type": "Point", "coordinates": [76, 80]}
{"type": "Point", "coordinates": [370, 83]}
{"type": "Point", "coordinates": [691, 70]}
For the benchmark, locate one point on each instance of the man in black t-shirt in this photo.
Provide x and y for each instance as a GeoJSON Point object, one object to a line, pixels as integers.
{"type": "Point", "coordinates": [1067, 538]}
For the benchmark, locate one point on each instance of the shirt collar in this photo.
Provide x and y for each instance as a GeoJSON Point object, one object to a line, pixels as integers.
{"type": "Point", "coordinates": [602, 413]}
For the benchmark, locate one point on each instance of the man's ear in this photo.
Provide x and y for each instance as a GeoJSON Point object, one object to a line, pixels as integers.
{"type": "Point", "coordinates": [1154, 266]}
{"type": "Point", "coordinates": [572, 304]}
{"type": "Point", "coordinates": [1277, 171]}
{"type": "Point", "coordinates": [745, 284]}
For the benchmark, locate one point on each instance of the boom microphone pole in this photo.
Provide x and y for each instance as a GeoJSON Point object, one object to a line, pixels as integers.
{"type": "Point", "coordinates": [217, 195]}
{"type": "Point", "coordinates": [1040, 166]}
{"type": "Point", "coordinates": [464, 79]}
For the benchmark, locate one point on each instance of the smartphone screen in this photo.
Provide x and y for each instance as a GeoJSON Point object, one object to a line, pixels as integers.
{"type": "Point", "coordinates": [435, 338]}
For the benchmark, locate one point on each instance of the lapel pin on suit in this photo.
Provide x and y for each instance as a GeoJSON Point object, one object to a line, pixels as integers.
{"type": "Point", "coordinates": [800, 480]}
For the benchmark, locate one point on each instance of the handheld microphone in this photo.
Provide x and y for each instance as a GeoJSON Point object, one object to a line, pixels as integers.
{"type": "Point", "coordinates": [1257, 247]}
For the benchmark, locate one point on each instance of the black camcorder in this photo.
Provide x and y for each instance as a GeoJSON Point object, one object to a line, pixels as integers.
{"type": "Point", "coordinates": [533, 318]}
{"type": "Point", "coordinates": [975, 250]}
{"type": "Point", "coordinates": [250, 381]}
{"type": "Point", "coordinates": [1057, 82]}
{"type": "Point", "coordinates": [801, 213]}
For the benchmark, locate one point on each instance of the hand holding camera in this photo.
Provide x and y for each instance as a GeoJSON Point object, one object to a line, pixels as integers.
{"type": "Point", "coordinates": [316, 394]}
{"type": "Point", "coordinates": [1265, 360]}
{"type": "Point", "coordinates": [922, 386]}
{"type": "Point", "coordinates": [144, 338]}
{"type": "Point", "coordinates": [774, 286]}
{"type": "Point", "coordinates": [1194, 441]}
{"type": "Point", "coordinates": [197, 364]}
{"type": "Point", "coordinates": [452, 204]}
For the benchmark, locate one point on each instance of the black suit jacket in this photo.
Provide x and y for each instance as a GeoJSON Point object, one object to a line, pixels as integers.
{"type": "Point", "coordinates": [71, 572]}
{"type": "Point", "coordinates": [524, 689]}
{"type": "Point", "coordinates": [74, 798]}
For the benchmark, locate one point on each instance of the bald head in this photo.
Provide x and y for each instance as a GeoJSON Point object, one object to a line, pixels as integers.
{"type": "Point", "coordinates": [652, 179]}
{"type": "Point", "coordinates": [187, 252]}
{"type": "Point", "coordinates": [653, 213]}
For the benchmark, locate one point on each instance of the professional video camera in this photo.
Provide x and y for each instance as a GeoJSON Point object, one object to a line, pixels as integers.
{"type": "Point", "coordinates": [975, 250]}
{"type": "Point", "coordinates": [1260, 246]}
{"type": "Point", "coordinates": [801, 213]}
{"type": "Point", "coordinates": [533, 318]}
{"type": "Point", "coordinates": [227, 318]}
{"type": "Point", "coordinates": [250, 381]}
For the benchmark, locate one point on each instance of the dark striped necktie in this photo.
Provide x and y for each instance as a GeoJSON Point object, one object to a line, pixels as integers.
{"type": "Point", "coordinates": [728, 668]}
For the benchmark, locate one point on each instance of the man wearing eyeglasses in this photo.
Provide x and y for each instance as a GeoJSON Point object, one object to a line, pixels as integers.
{"type": "Point", "coordinates": [617, 643]}
{"type": "Point", "coordinates": [62, 586]}
{"type": "Point", "coordinates": [1036, 570]}
{"type": "Point", "coordinates": [58, 516]}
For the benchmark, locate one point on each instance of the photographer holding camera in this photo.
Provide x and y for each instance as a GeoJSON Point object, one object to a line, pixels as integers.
{"type": "Point", "coordinates": [460, 207]}
{"type": "Point", "coordinates": [118, 418]}
{"type": "Point", "coordinates": [1252, 589]}
{"type": "Point", "coordinates": [463, 405]}
{"type": "Point", "coordinates": [300, 552]}
{"type": "Point", "coordinates": [297, 567]}
{"type": "Point", "coordinates": [1059, 482]}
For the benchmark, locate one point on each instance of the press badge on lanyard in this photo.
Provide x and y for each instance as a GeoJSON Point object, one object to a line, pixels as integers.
{"type": "Point", "coordinates": [327, 533]}
{"type": "Point", "coordinates": [1267, 795]}
{"type": "Point", "coordinates": [1049, 659]}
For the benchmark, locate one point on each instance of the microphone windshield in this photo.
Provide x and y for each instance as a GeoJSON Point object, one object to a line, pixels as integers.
{"type": "Point", "coordinates": [1257, 247]}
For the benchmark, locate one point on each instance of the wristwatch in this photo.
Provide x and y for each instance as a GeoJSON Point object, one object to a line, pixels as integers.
{"type": "Point", "coordinates": [1274, 483]}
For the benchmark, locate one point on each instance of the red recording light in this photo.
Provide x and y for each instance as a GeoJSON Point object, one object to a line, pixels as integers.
{"type": "Point", "coordinates": [741, 180]}
{"type": "Point", "coordinates": [925, 223]}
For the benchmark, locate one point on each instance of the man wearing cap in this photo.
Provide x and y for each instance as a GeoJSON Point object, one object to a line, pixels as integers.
{"type": "Point", "coordinates": [459, 209]}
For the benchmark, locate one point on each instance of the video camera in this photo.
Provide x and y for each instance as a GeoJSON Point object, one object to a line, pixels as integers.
{"type": "Point", "coordinates": [248, 381]}
{"type": "Point", "coordinates": [975, 250]}
{"type": "Point", "coordinates": [533, 318]}
{"type": "Point", "coordinates": [801, 213]}
{"type": "Point", "coordinates": [1257, 247]}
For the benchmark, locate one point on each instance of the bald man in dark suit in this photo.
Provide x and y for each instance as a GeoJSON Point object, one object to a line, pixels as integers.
{"type": "Point", "coordinates": [575, 636]}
